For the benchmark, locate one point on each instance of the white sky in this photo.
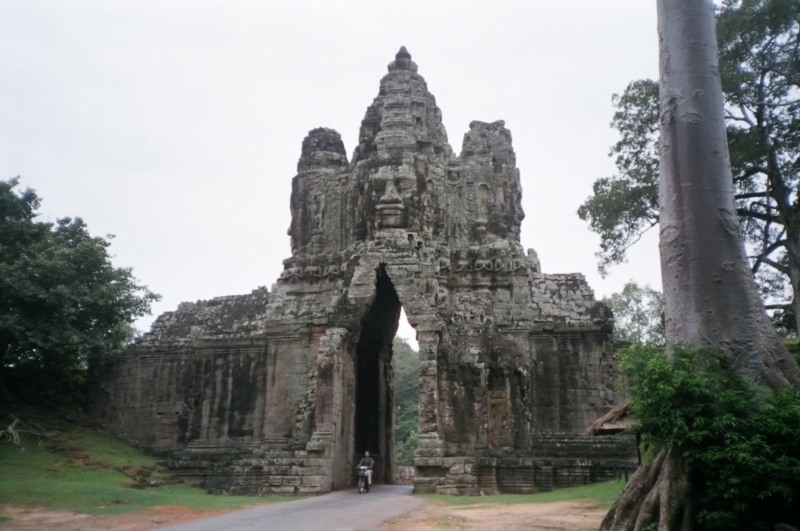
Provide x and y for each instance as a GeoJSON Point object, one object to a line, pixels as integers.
{"type": "Point", "coordinates": [176, 125]}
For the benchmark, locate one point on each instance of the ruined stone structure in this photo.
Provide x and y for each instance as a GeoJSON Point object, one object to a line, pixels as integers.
{"type": "Point", "coordinates": [278, 391]}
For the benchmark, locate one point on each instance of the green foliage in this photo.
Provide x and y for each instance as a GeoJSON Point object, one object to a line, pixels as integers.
{"type": "Point", "coordinates": [743, 442]}
{"type": "Point", "coordinates": [759, 65]}
{"type": "Point", "coordinates": [63, 302]}
{"type": "Point", "coordinates": [638, 315]}
{"type": "Point", "coordinates": [794, 348]}
{"type": "Point", "coordinates": [785, 322]}
{"type": "Point", "coordinates": [603, 494]}
{"type": "Point", "coordinates": [624, 206]}
{"type": "Point", "coordinates": [405, 367]}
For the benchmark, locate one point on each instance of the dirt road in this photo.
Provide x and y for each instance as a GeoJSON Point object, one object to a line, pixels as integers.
{"type": "Point", "coordinates": [556, 516]}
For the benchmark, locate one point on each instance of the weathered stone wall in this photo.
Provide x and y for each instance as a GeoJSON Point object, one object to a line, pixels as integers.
{"type": "Point", "coordinates": [553, 460]}
{"type": "Point", "coordinates": [405, 475]}
{"type": "Point", "coordinates": [281, 390]}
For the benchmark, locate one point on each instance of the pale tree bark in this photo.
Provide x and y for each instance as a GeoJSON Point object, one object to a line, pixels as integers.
{"type": "Point", "coordinates": [711, 299]}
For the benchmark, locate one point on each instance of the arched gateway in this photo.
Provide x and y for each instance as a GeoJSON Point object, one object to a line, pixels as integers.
{"type": "Point", "coordinates": [277, 391]}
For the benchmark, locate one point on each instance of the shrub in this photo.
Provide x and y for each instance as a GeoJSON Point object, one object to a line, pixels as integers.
{"type": "Point", "coordinates": [742, 442]}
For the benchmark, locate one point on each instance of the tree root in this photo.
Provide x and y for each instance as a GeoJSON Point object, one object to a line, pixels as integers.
{"type": "Point", "coordinates": [658, 493]}
{"type": "Point", "coordinates": [11, 433]}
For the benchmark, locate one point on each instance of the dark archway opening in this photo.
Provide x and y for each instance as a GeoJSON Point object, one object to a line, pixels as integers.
{"type": "Point", "coordinates": [374, 416]}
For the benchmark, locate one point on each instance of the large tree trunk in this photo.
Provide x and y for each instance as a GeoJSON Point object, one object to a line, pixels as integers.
{"type": "Point", "coordinates": [711, 299]}
{"type": "Point", "coordinates": [709, 291]}
{"type": "Point", "coordinates": [660, 491]}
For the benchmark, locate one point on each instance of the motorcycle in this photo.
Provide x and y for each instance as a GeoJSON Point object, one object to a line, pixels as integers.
{"type": "Point", "coordinates": [363, 481]}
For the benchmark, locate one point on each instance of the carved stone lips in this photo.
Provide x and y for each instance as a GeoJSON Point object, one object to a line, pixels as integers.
{"type": "Point", "coordinates": [390, 209]}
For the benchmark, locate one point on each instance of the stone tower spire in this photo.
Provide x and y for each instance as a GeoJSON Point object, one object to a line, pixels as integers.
{"type": "Point", "coordinates": [404, 117]}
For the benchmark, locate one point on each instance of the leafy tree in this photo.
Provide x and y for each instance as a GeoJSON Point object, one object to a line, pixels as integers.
{"type": "Point", "coordinates": [405, 367]}
{"type": "Point", "coordinates": [638, 315]}
{"type": "Point", "coordinates": [742, 443]}
{"type": "Point", "coordinates": [785, 322]}
{"type": "Point", "coordinates": [625, 206]}
{"type": "Point", "coordinates": [759, 65]}
{"type": "Point", "coordinates": [62, 302]}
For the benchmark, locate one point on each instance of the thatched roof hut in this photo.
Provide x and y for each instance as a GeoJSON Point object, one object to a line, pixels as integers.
{"type": "Point", "coordinates": [615, 421]}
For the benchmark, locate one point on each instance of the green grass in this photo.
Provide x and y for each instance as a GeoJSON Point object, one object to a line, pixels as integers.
{"type": "Point", "coordinates": [38, 477]}
{"type": "Point", "coordinates": [111, 451]}
{"type": "Point", "coordinates": [397, 519]}
{"type": "Point", "coordinates": [603, 494]}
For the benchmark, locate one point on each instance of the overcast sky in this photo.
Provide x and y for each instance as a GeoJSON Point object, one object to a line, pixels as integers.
{"type": "Point", "coordinates": [176, 125]}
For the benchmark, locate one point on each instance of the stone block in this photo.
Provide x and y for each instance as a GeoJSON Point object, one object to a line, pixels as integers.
{"type": "Point", "coordinates": [456, 469]}
{"type": "Point", "coordinates": [427, 461]}
{"type": "Point", "coordinates": [311, 471]}
{"type": "Point", "coordinates": [430, 453]}
{"type": "Point", "coordinates": [425, 484]}
{"type": "Point", "coordinates": [315, 480]}
{"type": "Point", "coordinates": [291, 480]}
{"type": "Point", "coordinates": [312, 489]}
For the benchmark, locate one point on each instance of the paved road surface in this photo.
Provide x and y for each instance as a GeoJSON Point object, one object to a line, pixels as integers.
{"type": "Point", "coordinates": [338, 511]}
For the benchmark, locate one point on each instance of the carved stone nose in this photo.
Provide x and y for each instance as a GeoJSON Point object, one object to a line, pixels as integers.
{"type": "Point", "coordinates": [390, 195]}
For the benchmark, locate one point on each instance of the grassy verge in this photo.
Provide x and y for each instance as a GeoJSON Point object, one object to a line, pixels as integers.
{"type": "Point", "coordinates": [79, 475]}
{"type": "Point", "coordinates": [603, 494]}
{"type": "Point", "coordinates": [397, 519]}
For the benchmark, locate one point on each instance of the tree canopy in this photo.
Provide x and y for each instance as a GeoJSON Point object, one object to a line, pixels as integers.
{"type": "Point", "coordinates": [759, 54]}
{"type": "Point", "coordinates": [62, 301]}
{"type": "Point", "coordinates": [638, 315]}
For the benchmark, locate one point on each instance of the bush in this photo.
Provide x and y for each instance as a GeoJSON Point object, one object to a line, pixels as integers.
{"type": "Point", "coordinates": [742, 442]}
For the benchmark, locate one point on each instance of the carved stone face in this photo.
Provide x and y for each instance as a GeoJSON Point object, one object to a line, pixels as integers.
{"type": "Point", "coordinates": [394, 190]}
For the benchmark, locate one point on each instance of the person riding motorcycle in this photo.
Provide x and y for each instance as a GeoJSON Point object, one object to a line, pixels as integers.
{"type": "Point", "coordinates": [368, 462]}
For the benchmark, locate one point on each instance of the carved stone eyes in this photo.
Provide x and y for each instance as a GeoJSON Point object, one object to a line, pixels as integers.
{"type": "Point", "coordinates": [404, 185]}
{"type": "Point", "coordinates": [401, 186]}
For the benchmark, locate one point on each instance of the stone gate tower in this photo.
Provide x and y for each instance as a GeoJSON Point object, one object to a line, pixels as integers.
{"type": "Point", "coordinates": [278, 391]}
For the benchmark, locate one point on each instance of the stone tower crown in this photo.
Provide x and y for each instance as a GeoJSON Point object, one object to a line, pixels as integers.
{"type": "Point", "coordinates": [404, 177]}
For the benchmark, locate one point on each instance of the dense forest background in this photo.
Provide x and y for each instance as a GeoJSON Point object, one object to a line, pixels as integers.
{"type": "Point", "coordinates": [405, 364]}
